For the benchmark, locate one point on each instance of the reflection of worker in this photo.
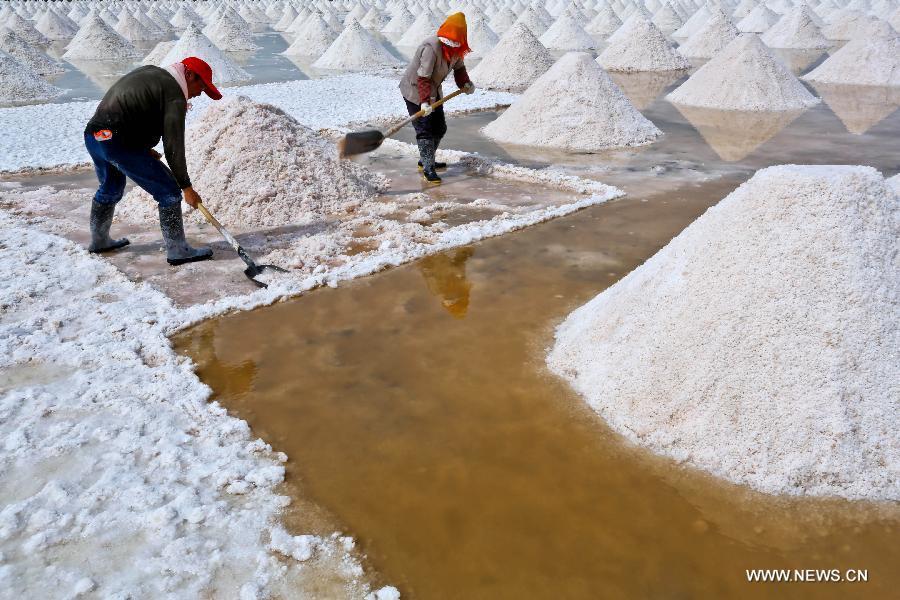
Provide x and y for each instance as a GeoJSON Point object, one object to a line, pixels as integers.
{"type": "Point", "coordinates": [446, 277]}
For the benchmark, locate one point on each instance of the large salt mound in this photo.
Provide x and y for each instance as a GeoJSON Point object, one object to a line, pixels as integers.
{"type": "Point", "coordinates": [423, 27]}
{"type": "Point", "coordinates": [231, 35]}
{"type": "Point", "coordinates": [796, 29]}
{"type": "Point", "coordinates": [759, 20]}
{"type": "Point", "coordinates": [55, 27]}
{"type": "Point", "coordinates": [133, 30]}
{"type": "Point", "coordinates": [532, 19]}
{"type": "Point", "coordinates": [401, 21]}
{"type": "Point", "coordinates": [481, 38]}
{"type": "Point", "coordinates": [567, 34]}
{"type": "Point", "coordinates": [194, 43]}
{"type": "Point", "coordinates": [356, 50]}
{"type": "Point", "coordinates": [19, 84]}
{"type": "Point", "coordinates": [22, 28]}
{"type": "Point", "coordinates": [39, 62]}
{"type": "Point", "coordinates": [313, 39]}
{"type": "Point", "coordinates": [667, 19]}
{"type": "Point", "coordinates": [256, 166]}
{"type": "Point", "coordinates": [761, 344]}
{"type": "Point", "coordinates": [714, 35]}
{"type": "Point", "coordinates": [155, 56]}
{"type": "Point", "coordinates": [863, 61]}
{"type": "Point", "coordinates": [744, 76]}
{"type": "Point", "coordinates": [516, 61]}
{"type": "Point", "coordinates": [640, 46]}
{"type": "Point", "coordinates": [604, 23]}
{"type": "Point", "coordinates": [98, 41]}
{"type": "Point", "coordinates": [574, 106]}
{"type": "Point", "coordinates": [693, 24]}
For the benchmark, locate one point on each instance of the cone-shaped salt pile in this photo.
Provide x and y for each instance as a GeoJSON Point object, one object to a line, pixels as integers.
{"type": "Point", "coordinates": [19, 84]}
{"type": "Point", "coordinates": [667, 19]}
{"type": "Point", "coordinates": [796, 29]}
{"type": "Point", "coordinates": [533, 21]}
{"type": "Point", "coordinates": [744, 76]}
{"type": "Point", "coordinates": [290, 175]}
{"type": "Point", "coordinates": [761, 343]}
{"type": "Point", "coordinates": [398, 25]}
{"type": "Point", "coordinates": [503, 21]}
{"type": "Point", "coordinates": [39, 62]}
{"type": "Point", "coordinates": [692, 25]}
{"type": "Point", "coordinates": [155, 56]}
{"type": "Point", "coordinates": [759, 20]}
{"type": "Point", "coordinates": [55, 27]}
{"type": "Point", "coordinates": [640, 46]}
{"type": "Point", "coordinates": [194, 43]}
{"type": "Point", "coordinates": [714, 35]}
{"type": "Point", "coordinates": [24, 29]}
{"type": "Point", "coordinates": [287, 17]}
{"type": "Point", "coordinates": [231, 35]}
{"type": "Point", "coordinates": [183, 17]}
{"type": "Point", "coordinates": [374, 21]}
{"type": "Point", "coordinates": [356, 50]}
{"type": "Point", "coordinates": [481, 37]}
{"type": "Point", "coordinates": [567, 34]}
{"type": "Point", "coordinates": [846, 25]}
{"type": "Point", "coordinates": [574, 106]}
{"type": "Point", "coordinates": [517, 60]}
{"type": "Point", "coordinates": [313, 39]}
{"type": "Point", "coordinates": [744, 8]}
{"type": "Point", "coordinates": [97, 41]}
{"type": "Point", "coordinates": [131, 29]}
{"type": "Point", "coordinates": [423, 27]}
{"type": "Point", "coordinates": [605, 23]}
{"type": "Point", "coordinates": [863, 61]}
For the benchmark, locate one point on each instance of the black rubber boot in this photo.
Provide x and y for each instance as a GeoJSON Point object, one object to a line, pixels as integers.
{"type": "Point", "coordinates": [438, 166]}
{"type": "Point", "coordinates": [426, 152]}
{"type": "Point", "coordinates": [101, 221]}
{"type": "Point", "coordinates": [178, 251]}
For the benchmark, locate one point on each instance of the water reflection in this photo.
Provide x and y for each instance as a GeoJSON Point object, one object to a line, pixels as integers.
{"type": "Point", "coordinates": [103, 73]}
{"type": "Point", "coordinates": [445, 276]}
{"type": "Point", "coordinates": [642, 89]}
{"type": "Point", "coordinates": [798, 60]}
{"type": "Point", "coordinates": [859, 107]}
{"type": "Point", "coordinates": [732, 134]}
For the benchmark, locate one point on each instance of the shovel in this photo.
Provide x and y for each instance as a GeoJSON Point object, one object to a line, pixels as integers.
{"type": "Point", "coordinates": [253, 269]}
{"type": "Point", "coordinates": [360, 142]}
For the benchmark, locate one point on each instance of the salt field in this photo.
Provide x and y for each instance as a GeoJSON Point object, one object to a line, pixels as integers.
{"type": "Point", "coordinates": [628, 329]}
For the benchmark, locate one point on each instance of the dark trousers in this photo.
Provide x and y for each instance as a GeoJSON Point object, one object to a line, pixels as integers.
{"type": "Point", "coordinates": [113, 162]}
{"type": "Point", "coordinates": [432, 127]}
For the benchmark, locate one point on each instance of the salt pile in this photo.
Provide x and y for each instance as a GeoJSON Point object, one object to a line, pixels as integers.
{"type": "Point", "coordinates": [605, 23]}
{"type": "Point", "coordinates": [640, 46]}
{"type": "Point", "coordinates": [313, 39]}
{"type": "Point", "coordinates": [287, 17]}
{"type": "Point", "coordinates": [894, 182]}
{"type": "Point", "coordinates": [516, 61]}
{"type": "Point", "coordinates": [759, 20]}
{"type": "Point", "coordinates": [761, 343]}
{"type": "Point", "coordinates": [532, 19]}
{"type": "Point", "coordinates": [231, 35]}
{"type": "Point", "coordinates": [159, 52]}
{"type": "Point", "coordinates": [183, 17]}
{"type": "Point", "coordinates": [503, 21]}
{"type": "Point", "coordinates": [692, 25]}
{"type": "Point", "coordinates": [374, 21]}
{"type": "Point", "coordinates": [356, 50]}
{"type": "Point", "coordinates": [25, 30]}
{"type": "Point", "coordinates": [796, 29]}
{"type": "Point", "coordinates": [846, 25]}
{"type": "Point", "coordinates": [574, 106]}
{"type": "Point", "coordinates": [744, 76]}
{"type": "Point", "coordinates": [667, 19]}
{"type": "Point", "coordinates": [19, 84]}
{"type": "Point", "coordinates": [194, 43]}
{"type": "Point", "coordinates": [288, 176]}
{"type": "Point", "coordinates": [39, 62]}
{"type": "Point", "coordinates": [714, 35]}
{"type": "Point", "coordinates": [401, 21]}
{"type": "Point", "coordinates": [863, 61]}
{"type": "Point", "coordinates": [423, 27]}
{"type": "Point", "coordinates": [133, 30]}
{"type": "Point", "coordinates": [55, 27]}
{"type": "Point", "coordinates": [98, 41]}
{"type": "Point", "coordinates": [481, 37]}
{"type": "Point", "coordinates": [567, 34]}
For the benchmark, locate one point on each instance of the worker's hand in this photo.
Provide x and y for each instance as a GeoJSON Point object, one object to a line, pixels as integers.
{"type": "Point", "coordinates": [469, 88]}
{"type": "Point", "coordinates": [191, 197]}
{"type": "Point", "coordinates": [155, 154]}
{"type": "Point", "coordinates": [427, 108]}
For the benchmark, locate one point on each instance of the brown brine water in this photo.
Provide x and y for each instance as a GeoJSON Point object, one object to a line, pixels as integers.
{"type": "Point", "coordinates": [416, 408]}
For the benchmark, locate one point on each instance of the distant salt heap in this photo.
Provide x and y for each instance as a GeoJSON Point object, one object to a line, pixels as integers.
{"type": "Point", "coordinates": [289, 176]}
{"type": "Point", "coordinates": [55, 27]}
{"type": "Point", "coordinates": [356, 50]}
{"type": "Point", "coordinates": [744, 76]}
{"type": "Point", "coordinates": [576, 107]}
{"type": "Point", "coordinates": [714, 35]}
{"type": "Point", "coordinates": [604, 23]}
{"type": "Point", "coordinates": [19, 84]}
{"type": "Point", "coordinates": [133, 30]}
{"type": "Point", "coordinates": [640, 46]}
{"type": "Point", "coordinates": [516, 61]}
{"type": "Point", "coordinates": [232, 35]}
{"type": "Point", "coordinates": [423, 27]}
{"type": "Point", "coordinates": [503, 21]}
{"type": "Point", "coordinates": [693, 24]}
{"type": "Point", "coordinates": [193, 43]}
{"type": "Point", "coordinates": [374, 21]}
{"type": "Point", "coordinates": [183, 17]}
{"type": "Point", "coordinates": [98, 41]}
{"type": "Point", "coordinates": [667, 19]}
{"type": "Point", "coordinates": [313, 39]}
{"type": "Point", "coordinates": [287, 17]}
{"type": "Point", "coordinates": [567, 34]}
{"type": "Point", "coordinates": [401, 21]}
{"type": "Point", "coordinates": [864, 61]}
{"type": "Point", "coordinates": [481, 38]}
{"type": "Point", "coordinates": [25, 30]}
{"type": "Point", "coordinates": [532, 19]}
{"type": "Point", "coordinates": [158, 53]}
{"type": "Point", "coordinates": [759, 20]}
{"type": "Point", "coordinates": [796, 30]}
{"type": "Point", "coordinates": [39, 62]}
{"type": "Point", "coordinates": [761, 343]}
{"type": "Point", "coordinates": [846, 24]}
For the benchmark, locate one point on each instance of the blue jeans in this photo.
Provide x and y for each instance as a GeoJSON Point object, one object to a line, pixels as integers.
{"type": "Point", "coordinates": [113, 162]}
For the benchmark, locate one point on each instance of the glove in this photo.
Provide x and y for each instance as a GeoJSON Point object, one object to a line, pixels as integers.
{"type": "Point", "coordinates": [427, 108]}
{"type": "Point", "coordinates": [469, 87]}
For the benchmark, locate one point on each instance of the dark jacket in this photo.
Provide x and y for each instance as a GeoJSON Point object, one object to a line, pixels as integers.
{"type": "Point", "coordinates": [142, 107]}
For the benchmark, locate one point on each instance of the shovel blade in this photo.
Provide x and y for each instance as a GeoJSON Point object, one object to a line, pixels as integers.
{"type": "Point", "coordinates": [360, 142]}
{"type": "Point", "coordinates": [254, 271]}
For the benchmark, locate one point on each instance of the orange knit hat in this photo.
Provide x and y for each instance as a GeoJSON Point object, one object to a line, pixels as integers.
{"type": "Point", "coordinates": [454, 29]}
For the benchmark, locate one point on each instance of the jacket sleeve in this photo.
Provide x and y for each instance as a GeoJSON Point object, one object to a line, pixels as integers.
{"type": "Point", "coordinates": [424, 87]}
{"type": "Point", "coordinates": [173, 140]}
{"type": "Point", "coordinates": [460, 75]}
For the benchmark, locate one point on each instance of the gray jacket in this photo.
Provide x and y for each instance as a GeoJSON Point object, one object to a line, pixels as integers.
{"type": "Point", "coordinates": [428, 61]}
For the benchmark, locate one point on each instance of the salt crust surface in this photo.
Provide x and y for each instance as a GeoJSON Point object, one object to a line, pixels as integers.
{"type": "Point", "coordinates": [29, 145]}
{"type": "Point", "coordinates": [356, 50]}
{"type": "Point", "coordinates": [863, 61]}
{"type": "Point", "coordinates": [96, 40]}
{"type": "Point", "coordinates": [573, 106]}
{"type": "Point", "coordinates": [639, 45]}
{"type": "Point", "coordinates": [744, 76]}
{"type": "Point", "coordinates": [19, 83]}
{"type": "Point", "coordinates": [258, 167]}
{"type": "Point", "coordinates": [762, 343]}
{"type": "Point", "coordinates": [514, 63]}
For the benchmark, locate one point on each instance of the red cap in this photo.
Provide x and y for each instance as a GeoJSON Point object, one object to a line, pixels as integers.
{"type": "Point", "coordinates": [204, 72]}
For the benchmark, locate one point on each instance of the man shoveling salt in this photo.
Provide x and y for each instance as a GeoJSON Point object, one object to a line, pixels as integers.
{"type": "Point", "coordinates": [145, 105]}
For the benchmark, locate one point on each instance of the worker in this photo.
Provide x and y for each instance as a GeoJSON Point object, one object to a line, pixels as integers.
{"type": "Point", "coordinates": [145, 105]}
{"type": "Point", "coordinates": [421, 87]}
